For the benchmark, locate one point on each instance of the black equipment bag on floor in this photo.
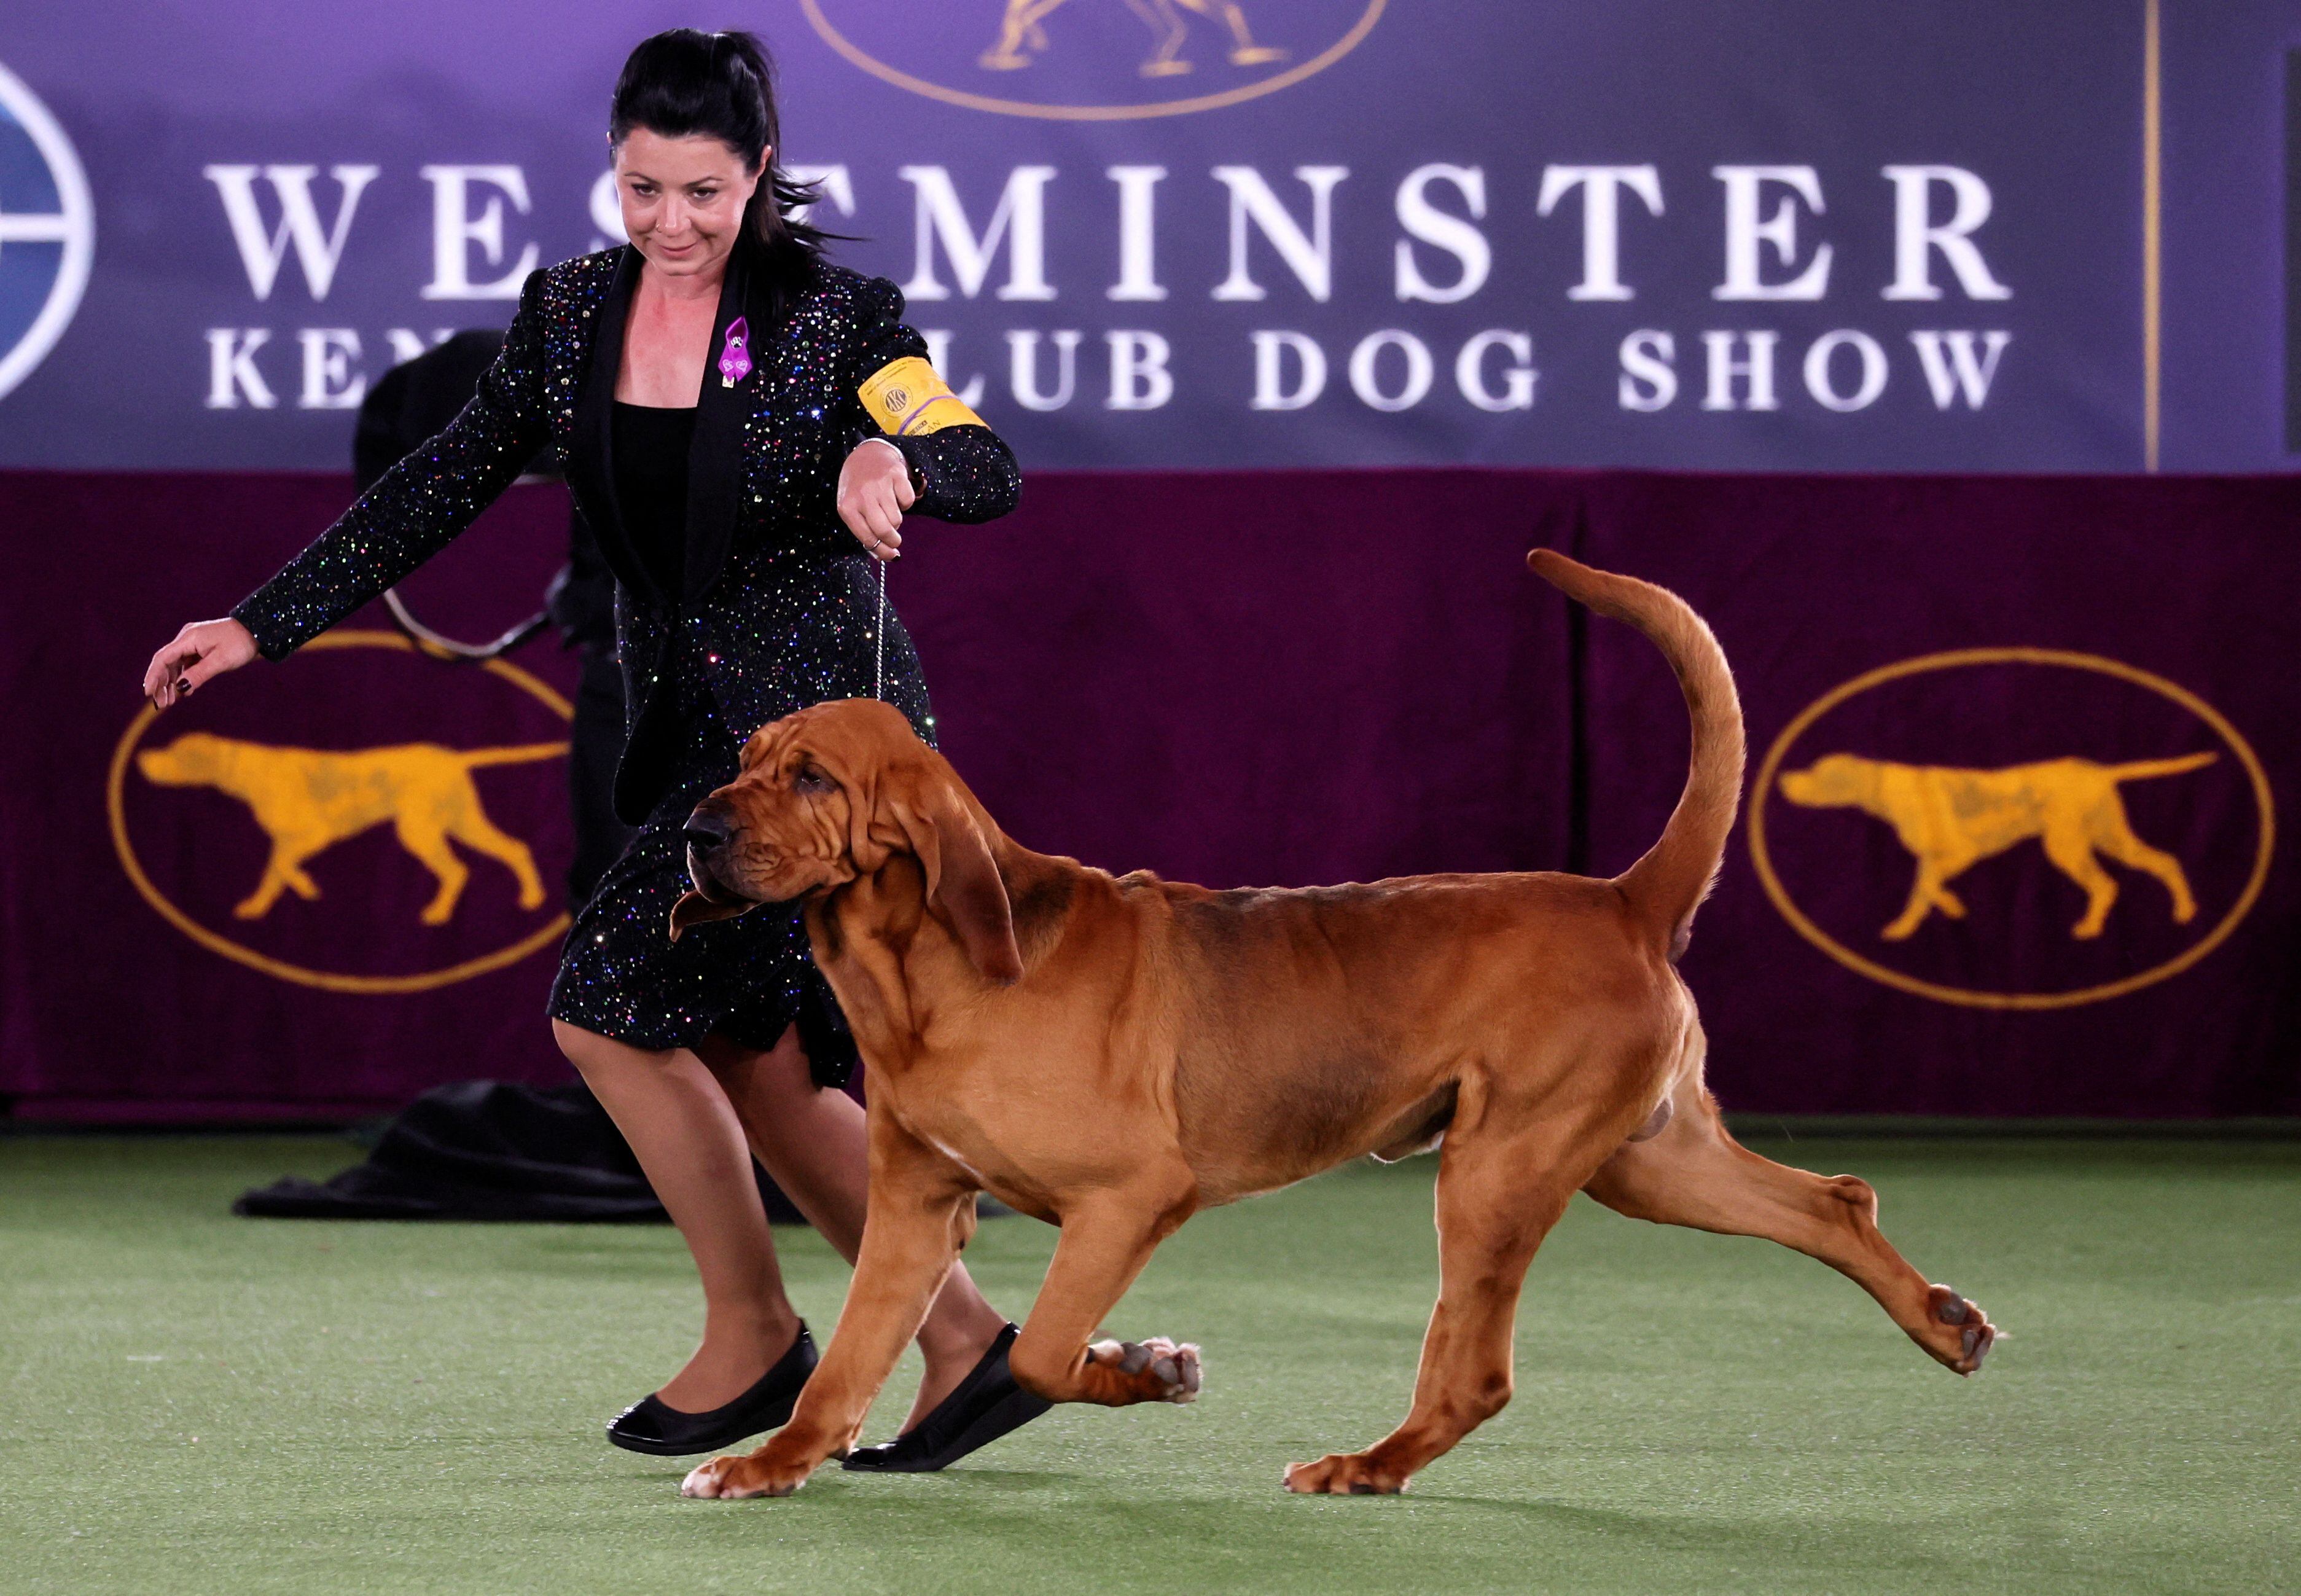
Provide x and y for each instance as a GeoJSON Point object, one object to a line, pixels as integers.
{"type": "Point", "coordinates": [489, 1150]}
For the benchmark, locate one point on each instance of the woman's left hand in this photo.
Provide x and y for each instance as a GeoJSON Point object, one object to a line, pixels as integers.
{"type": "Point", "coordinates": [874, 490]}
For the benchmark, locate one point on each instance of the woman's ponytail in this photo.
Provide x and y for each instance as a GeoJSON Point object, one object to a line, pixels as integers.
{"type": "Point", "coordinates": [747, 64]}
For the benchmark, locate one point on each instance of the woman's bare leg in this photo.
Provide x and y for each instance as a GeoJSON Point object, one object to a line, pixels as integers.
{"type": "Point", "coordinates": [677, 1116]}
{"type": "Point", "coordinates": [813, 1143]}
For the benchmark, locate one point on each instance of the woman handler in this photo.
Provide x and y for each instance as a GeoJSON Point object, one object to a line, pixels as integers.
{"type": "Point", "coordinates": [734, 417]}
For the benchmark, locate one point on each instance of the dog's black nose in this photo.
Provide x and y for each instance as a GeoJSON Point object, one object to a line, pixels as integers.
{"type": "Point", "coordinates": [707, 828]}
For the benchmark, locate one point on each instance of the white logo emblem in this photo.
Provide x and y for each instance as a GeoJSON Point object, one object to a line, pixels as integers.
{"type": "Point", "coordinates": [47, 231]}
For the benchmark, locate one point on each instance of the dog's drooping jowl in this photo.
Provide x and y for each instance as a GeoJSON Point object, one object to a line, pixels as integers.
{"type": "Point", "coordinates": [1114, 1053]}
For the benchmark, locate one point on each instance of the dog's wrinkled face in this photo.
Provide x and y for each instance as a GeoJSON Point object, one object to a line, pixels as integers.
{"type": "Point", "coordinates": [1831, 781]}
{"type": "Point", "coordinates": [783, 828]}
{"type": "Point", "coordinates": [829, 794]}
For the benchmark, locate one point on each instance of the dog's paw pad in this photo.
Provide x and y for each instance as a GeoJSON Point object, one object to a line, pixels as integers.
{"type": "Point", "coordinates": [1343, 1474]}
{"type": "Point", "coordinates": [1180, 1369]}
{"type": "Point", "coordinates": [1966, 1334]}
{"type": "Point", "coordinates": [1161, 1370]}
{"type": "Point", "coordinates": [1173, 1370]}
{"type": "Point", "coordinates": [1128, 1357]}
{"type": "Point", "coordinates": [1976, 1341]}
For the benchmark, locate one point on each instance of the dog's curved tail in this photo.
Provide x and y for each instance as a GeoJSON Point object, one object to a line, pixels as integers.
{"type": "Point", "coordinates": [1666, 886]}
{"type": "Point", "coordinates": [526, 753]}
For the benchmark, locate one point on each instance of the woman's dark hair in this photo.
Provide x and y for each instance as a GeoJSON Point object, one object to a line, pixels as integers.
{"type": "Point", "coordinates": [684, 81]}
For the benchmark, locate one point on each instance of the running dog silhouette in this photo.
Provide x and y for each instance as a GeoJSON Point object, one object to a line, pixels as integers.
{"type": "Point", "coordinates": [1019, 29]}
{"type": "Point", "coordinates": [1952, 819]}
{"type": "Point", "coordinates": [307, 801]}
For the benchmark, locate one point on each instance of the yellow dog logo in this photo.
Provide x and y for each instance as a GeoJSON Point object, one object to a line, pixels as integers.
{"type": "Point", "coordinates": [1952, 819]}
{"type": "Point", "coordinates": [307, 801]}
{"type": "Point", "coordinates": [1020, 33]}
{"type": "Point", "coordinates": [1050, 50]}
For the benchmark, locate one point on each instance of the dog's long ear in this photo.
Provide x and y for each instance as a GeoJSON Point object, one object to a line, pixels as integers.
{"type": "Point", "coordinates": [962, 878]}
{"type": "Point", "coordinates": [693, 909]}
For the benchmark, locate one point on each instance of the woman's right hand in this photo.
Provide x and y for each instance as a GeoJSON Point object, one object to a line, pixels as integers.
{"type": "Point", "coordinates": [203, 649]}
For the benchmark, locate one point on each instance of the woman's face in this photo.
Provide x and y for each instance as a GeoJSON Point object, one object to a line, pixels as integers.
{"type": "Point", "coordinates": [683, 198]}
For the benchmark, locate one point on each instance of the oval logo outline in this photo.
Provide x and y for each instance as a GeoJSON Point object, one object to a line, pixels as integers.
{"type": "Point", "coordinates": [1769, 770]}
{"type": "Point", "coordinates": [116, 805]}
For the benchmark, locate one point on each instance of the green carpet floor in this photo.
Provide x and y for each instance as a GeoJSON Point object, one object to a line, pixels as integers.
{"type": "Point", "coordinates": [195, 1403]}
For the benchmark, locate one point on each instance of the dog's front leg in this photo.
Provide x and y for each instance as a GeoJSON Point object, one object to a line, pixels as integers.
{"type": "Point", "coordinates": [1105, 1244]}
{"type": "Point", "coordinates": [1922, 898]}
{"type": "Point", "coordinates": [920, 1211]}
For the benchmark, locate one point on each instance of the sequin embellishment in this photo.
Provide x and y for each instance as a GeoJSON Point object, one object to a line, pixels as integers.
{"type": "Point", "coordinates": [791, 621]}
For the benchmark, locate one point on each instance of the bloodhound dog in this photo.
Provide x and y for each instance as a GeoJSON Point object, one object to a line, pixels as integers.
{"type": "Point", "coordinates": [1112, 1054]}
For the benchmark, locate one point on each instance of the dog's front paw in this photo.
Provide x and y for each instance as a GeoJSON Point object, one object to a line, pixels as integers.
{"type": "Point", "coordinates": [1154, 1371]}
{"type": "Point", "coordinates": [733, 1478]}
{"type": "Point", "coordinates": [1343, 1474]}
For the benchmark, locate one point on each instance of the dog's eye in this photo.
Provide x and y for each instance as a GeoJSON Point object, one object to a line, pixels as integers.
{"type": "Point", "coordinates": [811, 781]}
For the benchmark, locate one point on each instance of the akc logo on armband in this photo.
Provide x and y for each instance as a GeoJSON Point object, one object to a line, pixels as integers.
{"type": "Point", "coordinates": [47, 231]}
{"type": "Point", "coordinates": [1093, 59]}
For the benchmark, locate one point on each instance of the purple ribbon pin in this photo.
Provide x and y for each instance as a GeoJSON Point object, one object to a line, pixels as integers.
{"type": "Point", "coordinates": [735, 360]}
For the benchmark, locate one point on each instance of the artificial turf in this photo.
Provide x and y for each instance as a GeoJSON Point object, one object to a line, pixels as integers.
{"type": "Point", "coordinates": [196, 1403]}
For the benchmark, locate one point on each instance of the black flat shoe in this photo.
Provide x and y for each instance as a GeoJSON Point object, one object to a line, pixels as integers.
{"type": "Point", "coordinates": [979, 1410]}
{"type": "Point", "coordinates": [653, 1426]}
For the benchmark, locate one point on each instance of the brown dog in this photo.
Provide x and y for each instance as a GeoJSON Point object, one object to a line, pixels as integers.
{"type": "Point", "coordinates": [1112, 1054]}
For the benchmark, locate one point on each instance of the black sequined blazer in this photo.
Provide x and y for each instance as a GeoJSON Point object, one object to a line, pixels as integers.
{"type": "Point", "coordinates": [762, 523]}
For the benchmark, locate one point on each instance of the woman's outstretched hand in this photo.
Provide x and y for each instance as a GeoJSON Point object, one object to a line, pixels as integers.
{"type": "Point", "coordinates": [203, 649]}
{"type": "Point", "coordinates": [874, 490]}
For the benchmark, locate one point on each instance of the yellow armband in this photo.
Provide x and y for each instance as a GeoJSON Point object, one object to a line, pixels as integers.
{"type": "Point", "coordinates": [906, 397]}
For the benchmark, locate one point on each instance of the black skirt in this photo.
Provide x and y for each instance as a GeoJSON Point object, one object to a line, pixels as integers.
{"type": "Point", "coordinates": [751, 978]}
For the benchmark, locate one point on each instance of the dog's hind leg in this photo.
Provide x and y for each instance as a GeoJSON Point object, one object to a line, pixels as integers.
{"type": "Point", "coordinates": [1695, 1175]}
{"type": "Point", "coordinates": [2113, 833]}
{"type": "Point", "coordinates": [1105, 1243]}
{"type": "Point", "coordinates": [2071, 850]}
{"type": "Point", "coordinates": [1490, 1219]}
{"type": "Point", "coordinates": [1172, 31]}
{"type": "Point", "coordinates": [476, 831]}
{"type": "Point", "coordinates": [426, 839]}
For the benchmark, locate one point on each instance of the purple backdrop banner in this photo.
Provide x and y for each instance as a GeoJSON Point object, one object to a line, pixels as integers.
{"type": "Point", "coordinates": [2016, 648]}
{"type": "Point", "coordinates": [2017, 689]}
{"type": "Point", "coordinates": [1745, 234]}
